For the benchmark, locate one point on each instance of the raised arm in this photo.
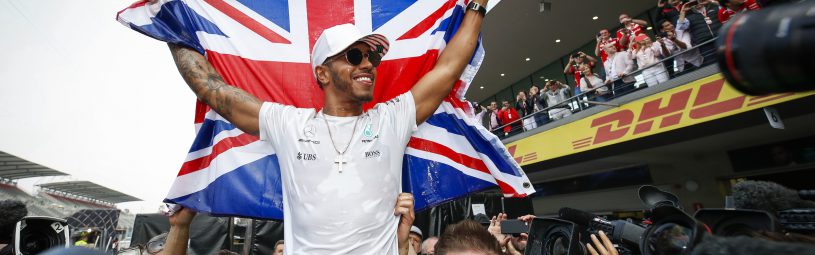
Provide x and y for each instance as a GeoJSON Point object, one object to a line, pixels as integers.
{"type": "Point", "coordinates": [234, 104]}
{"type": "Point", "coordinates": [431, 89]}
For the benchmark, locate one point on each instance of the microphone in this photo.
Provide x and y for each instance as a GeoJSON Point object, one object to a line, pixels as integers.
{"type": "Point", "coordinates": [619, 231]}
{"type": "Point", "coordinates": [712, 245]}
{"type": "Point", "coordinates": [768, 196]}
{"type": "Point", "coordinates": [11, 211]}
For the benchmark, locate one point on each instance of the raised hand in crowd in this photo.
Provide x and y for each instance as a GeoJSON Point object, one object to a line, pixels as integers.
{"type": "Point", "coordinates": [404, 209]}
{"type": "Point", "coordinates": [604, 245]}
{"type": "Point", "coordinates": [177, 238]}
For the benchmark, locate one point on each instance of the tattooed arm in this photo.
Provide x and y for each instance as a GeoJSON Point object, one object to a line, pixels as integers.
{"type": "Point", "coordinates": [234, 104]}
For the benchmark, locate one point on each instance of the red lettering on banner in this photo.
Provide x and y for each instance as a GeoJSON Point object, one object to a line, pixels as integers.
{"type": "Point", "coordinates": [605, 132]}
{"type": "Point", "coordinates": [511, 150]}
{"type": "Point", "coordinates": [710, 93]}
{"type": "Point", "coordinates": [652, 109]}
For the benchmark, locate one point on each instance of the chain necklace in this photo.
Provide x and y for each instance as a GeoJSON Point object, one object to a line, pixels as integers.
{"type": "Point", "coordinates": [340, 159]}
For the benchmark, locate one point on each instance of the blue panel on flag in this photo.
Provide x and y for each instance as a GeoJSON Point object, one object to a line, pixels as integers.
{"type": "Point", "coordinates": [429, 192]}
{"type": "Point", "coordinates": [253, 181]}
{"type": "Point", "coordinates": [384, 10]}
{"type": "Point", "coordinates": [276, 11]}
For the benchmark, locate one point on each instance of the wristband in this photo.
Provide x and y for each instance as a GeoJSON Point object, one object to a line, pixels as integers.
{"type": "Point", "coordinates": [477, 7]}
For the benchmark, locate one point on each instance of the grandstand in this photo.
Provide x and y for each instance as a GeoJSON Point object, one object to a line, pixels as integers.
{"type": "Point", "coordinates": [59, 199]}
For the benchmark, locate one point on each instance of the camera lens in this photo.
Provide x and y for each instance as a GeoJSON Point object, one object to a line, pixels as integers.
{"type": "Point", "coordinates": [670, 238]}
{"type": "Point", "coordinates": [36, 243]}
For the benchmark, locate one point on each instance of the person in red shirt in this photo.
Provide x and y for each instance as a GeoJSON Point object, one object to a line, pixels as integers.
{"type": "Point", "coordinates": [508, 115]}
{"type": "Point", "coordinates": [603, 38]}
{"type": "Point", "coordinates": [631, 28]}
{"type": "Point", "coordinates": [734, 6]}
{"type": "Point", "coordinates": [576, 60]}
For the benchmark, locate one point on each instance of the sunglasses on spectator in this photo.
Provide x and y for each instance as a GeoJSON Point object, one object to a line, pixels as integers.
{"type": "Point", "coordinates": [354, 57]}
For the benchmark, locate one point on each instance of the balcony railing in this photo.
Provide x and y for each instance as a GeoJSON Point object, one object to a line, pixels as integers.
{"type": "Point", "coordinates": [648, 76]}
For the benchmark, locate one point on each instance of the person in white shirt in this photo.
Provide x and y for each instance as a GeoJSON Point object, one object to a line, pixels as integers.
{"type": "Point", "coordinates": [590, 81]}
{"type": "Point", "coordinates": [557, 93]}
{"type": "Point", "coordinates": [682, 30]}
{"type": "Point", "coordinates": [340, 166]}
{"type": "Point", "coordinates": [648, 55]}
{"type": "Point", "coordinates": [618, 67]}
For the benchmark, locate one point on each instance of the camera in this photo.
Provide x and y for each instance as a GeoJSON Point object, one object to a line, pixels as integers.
{"type": "Point", "coordinates": [552, 236]}
{"type": "Point", "coordinates": [736, 222]}
{"type": "Point", "coordinates": [769, 51]}
{"type": "Point", "coordinates": [35, 234]}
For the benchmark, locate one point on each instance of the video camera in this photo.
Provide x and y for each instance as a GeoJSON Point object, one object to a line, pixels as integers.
{"type": "Point", "coordinates": [35, 234]}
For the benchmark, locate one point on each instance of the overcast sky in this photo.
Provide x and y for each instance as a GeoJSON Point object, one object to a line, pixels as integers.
{"type": "Point", "coordinates": [82, 94]}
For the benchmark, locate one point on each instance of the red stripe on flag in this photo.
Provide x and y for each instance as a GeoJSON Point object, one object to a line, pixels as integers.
{"type": "Point", "coordinates": [222, 146]}
{"type": "Point", "coordinates": [134, 5]}
{"type": "Point", "coordinates": [247, 21]}
{"type": "Point", "coordinates": [331, 14]}
{"type": "Point", "coordinates": [470, 162]}
{"type": "Point", "coordinates": [428, 22]}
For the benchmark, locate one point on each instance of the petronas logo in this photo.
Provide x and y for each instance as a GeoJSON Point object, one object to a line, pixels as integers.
{"type": "Point", "coordinates": [368, 132]}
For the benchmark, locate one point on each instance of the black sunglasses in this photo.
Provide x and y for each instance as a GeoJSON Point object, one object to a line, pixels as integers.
{"type": "Point", "coordinates": [354, 56]}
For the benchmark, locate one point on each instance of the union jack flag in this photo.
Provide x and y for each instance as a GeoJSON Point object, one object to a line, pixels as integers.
{"type": "Point", "coordinates": [264, 48]}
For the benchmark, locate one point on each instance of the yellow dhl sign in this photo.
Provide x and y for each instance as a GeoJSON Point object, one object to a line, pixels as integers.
{"type": "Point", "coordinates": [700, 101]}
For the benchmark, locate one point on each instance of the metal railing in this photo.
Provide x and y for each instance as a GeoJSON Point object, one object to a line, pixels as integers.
{"type": "Point", "coordinates": [584, 100]}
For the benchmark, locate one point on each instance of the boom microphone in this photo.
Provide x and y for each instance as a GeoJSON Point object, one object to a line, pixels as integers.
{"type": "Point", "coordinates": [712, 245]}
{"type": "Point", "coordinates": [767, 196]}
{"type": "Point", "coordinates": [11, 211]}
{"type": "Point", "coordinates": [619, 231]}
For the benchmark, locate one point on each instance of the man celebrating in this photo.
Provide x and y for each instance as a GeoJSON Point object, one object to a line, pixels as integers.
{"type": "Point", "coordinates": [340, 166]}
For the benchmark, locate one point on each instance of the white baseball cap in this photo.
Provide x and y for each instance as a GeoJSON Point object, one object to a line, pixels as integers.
{"type": "Point", "coordinates": [337, 38]}
{"type": "Point", "coordinates": [416, 230]}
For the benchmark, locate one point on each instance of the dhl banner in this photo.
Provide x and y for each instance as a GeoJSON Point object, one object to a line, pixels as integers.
{"type": "Point", "coordinates": [700, 101]}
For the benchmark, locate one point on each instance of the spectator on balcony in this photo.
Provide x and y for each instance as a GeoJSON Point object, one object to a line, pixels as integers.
{"type": "Point", "coordinates": [603, 39]}
{"type": "Point", "coordinates": [525, 107]}
{"type": "Point", "coordinates": [728, 8]}
{"type": "Point", "coordinates": [668, 10]}
{"type": "Point", "coordinates": [591, 81]}
{"type": "Point", "coordinates": [576, 60]}
{"type": "Point", "coordinates": [681, 38]}
{"type": "Point", "coordinates": [648, 55]}
{"type": "Point", "coordinates": [509, 117]}
{"type": "Point", "coordinates": [631, 28]}
{"type": "Point", "coordinates": [702, 21]}
{"type": "Point", "coordinates": [556, 95]}
{"type": "Point", "coordinates": [489, 116]}
{"type": "Point", "coordinates": [539, 103]}
{"type": "Point", "coordinates": [618, 67]}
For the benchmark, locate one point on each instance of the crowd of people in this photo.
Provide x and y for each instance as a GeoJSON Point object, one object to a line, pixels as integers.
{"type": "Point", "coordinates": [681, 42]}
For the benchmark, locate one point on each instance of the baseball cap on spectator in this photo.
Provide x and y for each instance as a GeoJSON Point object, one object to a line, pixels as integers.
{"type": "Point", "coordinates": [337, 38]}
{"type": "Point", "coordinates": [640, 37]}
{"type": "Point", "coordinates": [416, 230]}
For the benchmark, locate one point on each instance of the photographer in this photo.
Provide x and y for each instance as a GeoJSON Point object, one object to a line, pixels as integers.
{"type": "Point", "coordinates": [631, 28]}
{"type": "Point", "coordinates": [678, 40]}
{"type": "Point", "coordinates": [603, 39]}
{"type": "Point", "coordinates": [701, 19]}
{"type": "Point", "coordinates": [575, 60]}
{"type": "Point", "coordinates": [512, 245]}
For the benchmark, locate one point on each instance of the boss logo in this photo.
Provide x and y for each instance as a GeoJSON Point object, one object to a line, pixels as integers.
{"type": "Point", "coordinates": [372, 154]}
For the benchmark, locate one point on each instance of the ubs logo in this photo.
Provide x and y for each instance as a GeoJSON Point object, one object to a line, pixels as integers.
{"type": "Point", "coordinates": [372, 154]}
{"type": "Point", "coordinates": [306, 156]}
